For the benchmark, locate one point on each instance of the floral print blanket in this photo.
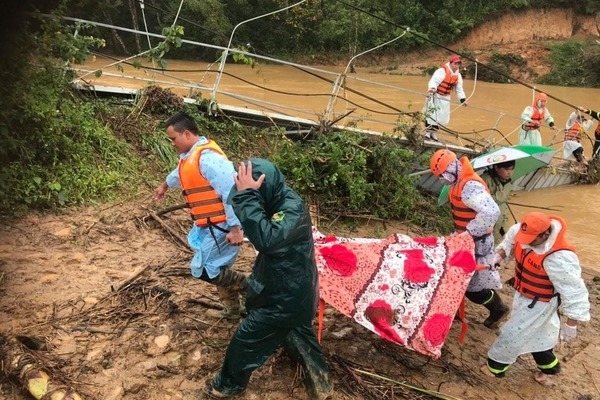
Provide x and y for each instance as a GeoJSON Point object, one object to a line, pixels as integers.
{"type": "Point", "coordinates": [407, 290]}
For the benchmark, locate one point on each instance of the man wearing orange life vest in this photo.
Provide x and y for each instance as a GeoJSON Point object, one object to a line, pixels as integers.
{"type": "Point", "coordinates": [533, 116]}
{"type": "Point", "coordinates": [475, 213]}
{"type": "Point", "coordinates": [437, 106]}
{"type": "Point", "coordinates": [547, 279]}
{"type": "Point", "coordinates": [576, 126]}
{"type": "Point", "coordinates": [206, 177]}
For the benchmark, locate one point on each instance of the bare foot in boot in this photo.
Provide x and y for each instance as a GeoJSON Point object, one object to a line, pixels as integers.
{"type": "Point", "coordinates": [544, 379]}
{"type": "Point", "coordinates": [486, 371]}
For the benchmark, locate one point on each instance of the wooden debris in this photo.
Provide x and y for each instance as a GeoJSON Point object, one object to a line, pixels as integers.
{"type": "Point", "coordinates": [18, 362]}
{"type": "Point", "coordinates": [170, 230]}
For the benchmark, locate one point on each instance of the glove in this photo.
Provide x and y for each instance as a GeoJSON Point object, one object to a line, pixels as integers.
{"type": "Point", "coordinates": [496, 262]}
{"type": "Point", "coordinates": [462, 101]}
{"type": "Point", "coordinates": [568, 332]}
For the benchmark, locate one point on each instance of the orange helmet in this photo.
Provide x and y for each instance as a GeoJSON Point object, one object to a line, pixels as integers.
{"type": "Point", "coordinates": [542, 96]}
{"type": "Point", "coordinates": [440, 161]}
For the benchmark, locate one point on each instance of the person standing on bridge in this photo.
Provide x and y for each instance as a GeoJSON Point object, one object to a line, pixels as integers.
{"type": "Point", "coordinates": [596, 116]}
{"type": "Point", "coordinates": [437, 106]}
{"type": "Point", "coordinates": [475, 213]}
{"type": "Point", "coordinates": [533, 116]}
{"type": "Point", "coordinates": [547, 282]}
{"type": "Point", "coordinates": [206, 177]}
{"type": "Point", "coordinates": [577, 125]}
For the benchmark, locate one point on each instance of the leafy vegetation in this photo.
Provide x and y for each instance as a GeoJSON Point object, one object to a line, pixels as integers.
{"type": "Point", "coordinates": [61, 150]}
{"type": "Point", "coordinates": [574, 64]}
{"type": "Point", "coordinates": [55, 150]}
{"type": "Point", "coordinates": [313, 28]}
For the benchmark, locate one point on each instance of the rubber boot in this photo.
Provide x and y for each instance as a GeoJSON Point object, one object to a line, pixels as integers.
{"type": "Point", "coordinates": [497, 310]}
{"type": "Point", "coordinates": [231, 304]}
{"type": "Point", "coordinates": [231, 279]}
{"type": "Point", "coordinates": [302, 346]}
{"type": "Point", "coordinates": [230, 285]}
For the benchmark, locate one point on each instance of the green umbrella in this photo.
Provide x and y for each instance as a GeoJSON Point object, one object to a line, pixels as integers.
{"type": "Point", "coordinates": [527, 158]}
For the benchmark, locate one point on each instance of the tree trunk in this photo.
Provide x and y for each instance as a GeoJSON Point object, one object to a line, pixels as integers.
{"type": "Point", "coordinates": [116, 37]}
{"type": "Point", "coordinates": [136, 26]}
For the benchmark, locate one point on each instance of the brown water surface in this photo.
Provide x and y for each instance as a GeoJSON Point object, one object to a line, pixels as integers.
{"type": "Point", "coordinates": [489, 105]}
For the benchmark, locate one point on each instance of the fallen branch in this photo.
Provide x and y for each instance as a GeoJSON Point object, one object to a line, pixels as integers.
{"type": "Point", "coordinates": [131, 278]}
{"type": "Point", "coordinates": [171, 209]}
{"type": "Point", "coordinates": [20, 364]}
{"type": "Point", "coordinates": [207, 304]}
{"type": "Point", "coordinates": [170, 230]}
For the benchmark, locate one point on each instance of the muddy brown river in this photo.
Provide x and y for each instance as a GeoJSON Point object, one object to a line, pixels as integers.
{"type": "Point", "coordinates": [493, 114]}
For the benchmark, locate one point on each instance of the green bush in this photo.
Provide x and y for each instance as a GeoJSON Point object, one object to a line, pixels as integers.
{"type": "Point", "coordinates": [574, 64]}
{"type": "Point", "coordinates": [352, 174]}
{"type": "Point", "coordinates": [66, 156]}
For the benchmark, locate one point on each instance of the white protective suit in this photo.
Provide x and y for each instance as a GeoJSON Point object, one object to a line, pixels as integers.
{"type": "Point", "coordinates": [476, 197]}
{"type": "Point", "coordinates": [533, 136]}
{"type": "Point", "coordinates": [437, 107]}
{"type": "Point", "coordinates": [569, 146]}
{"type": "Point", "coordinates": [536, 329]}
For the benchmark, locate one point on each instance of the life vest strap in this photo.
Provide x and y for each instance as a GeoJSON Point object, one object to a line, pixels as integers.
{"type": "Point", "coordinates": [207, 202]}
{"type": "Point", "coordinates": [197, 190]}
{"type": "Point", "coordinates": [207, 215]}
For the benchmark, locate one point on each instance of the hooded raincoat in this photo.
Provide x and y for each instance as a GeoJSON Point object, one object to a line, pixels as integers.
{"type": "Point", "coordinates": [535, 328]}
{"type": "Point", "coordinates": [282, 289]}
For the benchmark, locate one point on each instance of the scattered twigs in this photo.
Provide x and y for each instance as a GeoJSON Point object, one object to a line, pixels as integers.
{"type": "Point", "coordinates": [369, 384]}
{"type": "Point", "coordinates": [352, 381]}
{"type": "Point", "coordinates": [171, 232]}
{"type": "Point", "coordinates": [408, 359]}
{"type": "Point", "coordinates": [434, 394]}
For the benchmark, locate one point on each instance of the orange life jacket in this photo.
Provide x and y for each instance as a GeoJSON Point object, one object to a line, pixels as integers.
{"type": "Point", "coordinates": [531, 279]}
{"type": "Point", "coordinates": [536, 117]}
{"type": "Point", "coordinates": [574, 132]}
{"type": "Point", "coordinates": [450, 80]}
{"type": "Point", "coordinates": [461, 213]}
{"type": "Point", "coordinates": [205, 205]}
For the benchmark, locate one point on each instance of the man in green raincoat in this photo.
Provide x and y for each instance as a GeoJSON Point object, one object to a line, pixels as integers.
{"type": "Point", "coordinates": [282, 292]}
{"type": "Point", "coordinates": [499, 180]}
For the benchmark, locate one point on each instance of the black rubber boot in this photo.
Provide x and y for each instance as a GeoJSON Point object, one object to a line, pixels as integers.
{"type": "Point", "coordinates": [497, 310]}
